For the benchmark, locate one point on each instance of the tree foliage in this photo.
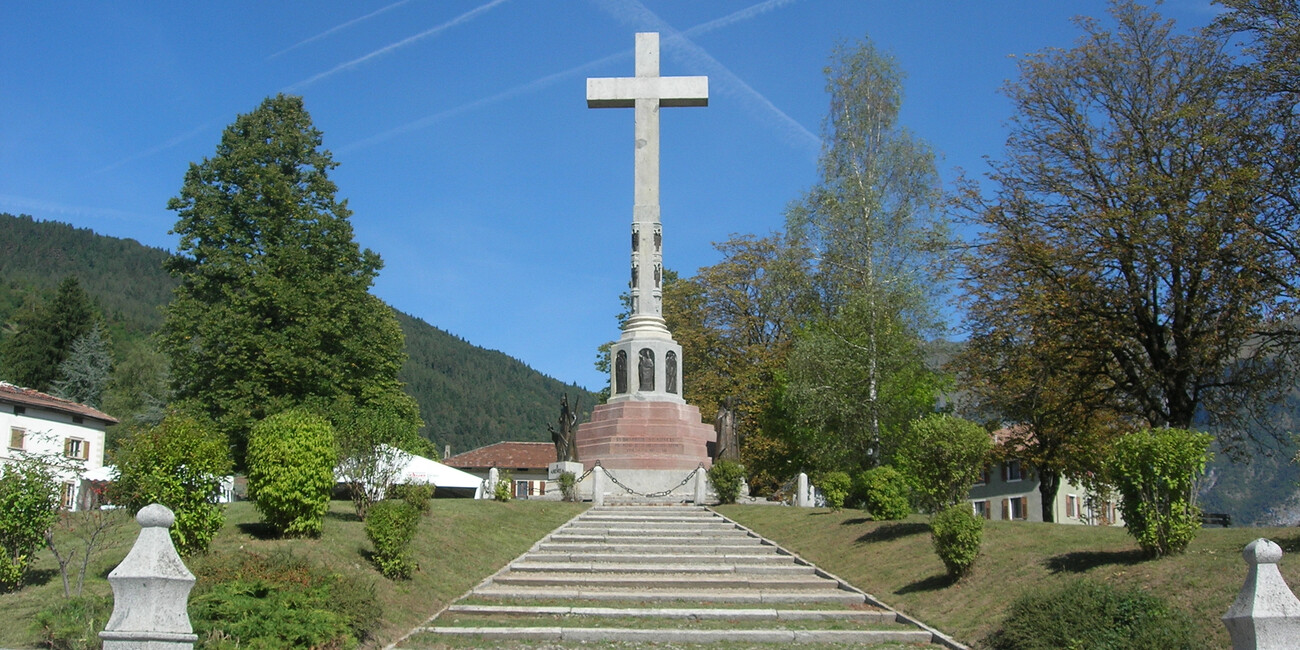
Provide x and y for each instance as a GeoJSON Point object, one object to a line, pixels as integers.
{"type": "Point", "coordinates": [956, 533]}
{"type": "Point", "coordinates": [274, 305]}
{"type": "Point", "coordinates": [45, 334]}
{"type": "Point", "coordinates": [29, 506]}
{"type": "Point", "coordinates": [291, 458]}
{"type": "Point", "coordinates": [179, 463]}
{"type": "Point", "coordinates": [1118, 243]}
{"type": "Point", "coordinates": [1154, 470]}
{"type": "Point", "coordinates": [373, 442]}
{"type": "Point", "coordinates": [942, 456]}
{"type": "Point", "coordinates": [85, 372]}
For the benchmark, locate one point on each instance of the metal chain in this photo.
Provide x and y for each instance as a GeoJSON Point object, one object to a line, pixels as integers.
{"type": "Point", "coordinates": [652, 495]}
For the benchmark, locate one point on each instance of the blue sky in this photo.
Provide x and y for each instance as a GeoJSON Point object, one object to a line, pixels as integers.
{"type": "Point", "coordinates": [499, 202]}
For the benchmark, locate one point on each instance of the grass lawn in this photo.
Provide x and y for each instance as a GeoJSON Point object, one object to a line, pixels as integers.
{"type": "Point", "coordinates": [460, 542]}
{"type": "Point", "coordinates": [895, 562]}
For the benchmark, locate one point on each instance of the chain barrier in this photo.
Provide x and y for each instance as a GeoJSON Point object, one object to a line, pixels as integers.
{"type": "Point", "coordinates": [785, 487]}
{"type": "Point", "coordinates": [651, 495]}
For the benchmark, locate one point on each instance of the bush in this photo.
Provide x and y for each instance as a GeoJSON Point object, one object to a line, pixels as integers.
{"type": "Point", "coordinates": [390, 527]}
{"type": "Point", "coordinates": [569, 486]}
{"type": "Point", "coordinates": [1087, 614]}
{"type": "Point", "coordinates": [279, 601]}
{"type": "Point", "coordinates": [418, 495]}
{"type": "Point", "coordinates": [883, 491]}
{"type": "Point", "coordinates": [29, 506]}
{"type": "Point", "coordinates": [835, 487]}
{"type": "Point", "coordinates": [942, 456]}
{"type": "Point", "coordinates": [1153, 471]}
{"type": "Point", "coordinates": [73, 623]}
{"type": "Point", "coordinates": [504, 489]}
{"type": "Point", "coordinates": [180, 464]}
{"type": "Point", "coordinates": [291, 471]}
{"type": "Point", "coordinates": [726, 477]}
{"type": "Point", "coordinates": [956, 534]}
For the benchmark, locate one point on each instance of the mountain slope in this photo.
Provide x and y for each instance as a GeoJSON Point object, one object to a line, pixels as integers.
{"type": "Point", "coordinates": [468, 396]}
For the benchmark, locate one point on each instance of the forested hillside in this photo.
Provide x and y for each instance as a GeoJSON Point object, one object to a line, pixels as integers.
{"type": "Point", "coordinates": [468, 396]}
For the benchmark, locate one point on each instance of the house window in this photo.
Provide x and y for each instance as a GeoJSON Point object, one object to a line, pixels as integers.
{"type": "Point", "coordinates": [77, 419]}
{"type": "Point", "coordinates": [67, 494]}
{"type": "Point", "coordinates": [523, 489]}
{"type": "Point", "coordinates": [983, 477]}
{"type": "Point", "coordinates": [19, 410]}
{"type": "Point", "coordinates": [1072, 506]}
{"type": "Point", "coordinates": [1016, 508]}
{"type": "Point", "coordinates": [76, 448]}
{"type": "Point", "coordinates": [981, 509]}
{"type": "Point", "coordinates": [1011, 471]}
{"type": "Point", "coordinates": [17, 438]}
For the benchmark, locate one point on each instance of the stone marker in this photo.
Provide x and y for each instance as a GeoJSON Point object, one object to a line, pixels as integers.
{"type": "Point", "coordinates": [1266, 615]}
{"type": "Point", "coordinates": [151, 589]}
{"type": "Point", "coordinates": [646, 425]}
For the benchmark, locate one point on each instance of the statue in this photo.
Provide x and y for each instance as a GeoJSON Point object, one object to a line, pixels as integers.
{"type": "Point", "coordinates": [728, 445]}
{"type": "Point", "coordinates": [565, 450]}
{"type": "Point", "coordinates": [646, 370]}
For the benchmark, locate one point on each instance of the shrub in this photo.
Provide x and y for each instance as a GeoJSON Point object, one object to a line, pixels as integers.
{"type": "Point", "coordinates": [956, 534]}
{"type": "Point", "coordinates": [418, 495]}
{"type": "Point", "coordinates": [180, 464]}
{"type": "Point", "coordinates": [726, 477]}
{"type": "Point", "coordinates": [29, 506]}
{"type": "Point", "coordinates": [1087, 614]}
{"type": "Point", "coordinates": [1153, 471]}
{"type": "Point", "coordinates": [291, 471]}
{"type": "Point", "coordinates": [569, 486]}
{"type": "Point", "coordinates": [504, 489]}
{"type": "Point", "coordinates": [835, 487]}
{"type": "Point", "coordinates": [390, 527]}
{"type": "Point", "coordinates": [279, 601]}
{"type": "Point", "coordinates": [73, 623]}
{"type": "Point", "coordinates": [942, 456]}
{"type": "Point", "coordinates": [883, 491]}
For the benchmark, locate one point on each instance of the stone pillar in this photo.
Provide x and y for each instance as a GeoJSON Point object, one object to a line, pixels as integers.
{"type": "Point", "coordinates": [701, 485]}
{"type": "Point", "coordinates": [493, 477]}
{"type": "Point", "coordinates": [598, 486]}
{"type": "Point", "coordinates": [151, 589]}
{"type": "Point", "coordinates": [1266, 615]}
{"type": "Point", "coordinates": [801, 495]}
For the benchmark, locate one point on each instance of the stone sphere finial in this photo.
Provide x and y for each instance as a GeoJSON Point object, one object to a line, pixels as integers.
{"type": "Point", "coordinates": [1262, 551]}
{"type": "Point", "coordinates": [155, 515]}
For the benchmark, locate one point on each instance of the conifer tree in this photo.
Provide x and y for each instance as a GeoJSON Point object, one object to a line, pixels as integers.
{"type": "Point", "coordinates": [46, 332]}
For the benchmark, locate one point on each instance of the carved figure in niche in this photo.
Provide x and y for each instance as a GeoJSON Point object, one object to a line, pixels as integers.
{"type": "Point", "coordinates": [670, 371]}
{"type": "Point", "coordinates": [620, 372]}
{"type": "Point", "coordinates": [659, 239]}
{"type": "Point", "coordinates": [634, 270]}
{"type": "Point", "coordinates": [636, 241]}
{"type": "Point", "coordinates": [658, 275]}
{"type": "Point", "coordinates": [565, 450]}
{"type": "Point", "coordinates": [646, 369]}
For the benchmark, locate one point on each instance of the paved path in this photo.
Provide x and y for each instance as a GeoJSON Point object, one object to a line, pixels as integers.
{"type": "Point", "coordinates": [675, 574]}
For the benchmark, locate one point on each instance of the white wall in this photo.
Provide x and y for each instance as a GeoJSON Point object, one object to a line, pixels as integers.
{"type": "Point", "coordinates": [46, 432]}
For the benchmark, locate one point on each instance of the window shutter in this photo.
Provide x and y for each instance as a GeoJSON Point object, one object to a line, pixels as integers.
{"type": "Point", "coordinates": [85, 450]}
{"type": "Point", "coordinates": [67, 447]}
{"type": "Point", "coordinates": [1024, 507]}
{"type": "Point", "coordinates": [1005, 475]}
{"type": "Point", "coordinates": [1006, 509]}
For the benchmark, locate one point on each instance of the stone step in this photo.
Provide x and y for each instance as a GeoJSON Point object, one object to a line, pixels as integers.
{"type": "Point", "coordinates": [660, 595]}
{"type": "Point", "coordinates": [648, 534]}
{"type": "Point", "coordinates": [665, 524]}
{"type": "Point", "coordinates": [661, 567]}
{"type": "Point", "coordinates": [689, 613]}
{"type": "Point", "coordinates": [666, 558]}
{"type": "Point", "coordinates": [637, 635]}
{"type": "Point", "coordinates": [737, 546]}
{"type": "Point", "coordinates": [688, 581]}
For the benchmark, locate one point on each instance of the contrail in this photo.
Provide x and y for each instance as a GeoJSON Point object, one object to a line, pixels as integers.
{"type": "Point", "coordinates": [162, 147]}
{"type": "Point", "coordinates": [729, 19]}
{"type": "Point", "coordinates": [337, 28]}
{"type": "Point", "coordinates": [469, 15]}
{"type": "Point", "coordinates": [632, 11]}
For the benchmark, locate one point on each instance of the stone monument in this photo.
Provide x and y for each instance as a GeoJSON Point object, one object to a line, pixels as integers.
{"type": "Point", "coordinates": [646, 426]}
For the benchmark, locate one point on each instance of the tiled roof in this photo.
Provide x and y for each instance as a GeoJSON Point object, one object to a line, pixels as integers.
{"type": "Point", "coordinates": [34, 398]}
{"type": "Point", "coordinates": [506, 455]}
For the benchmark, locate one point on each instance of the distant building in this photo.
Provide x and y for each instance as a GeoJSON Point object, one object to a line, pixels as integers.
{"type": "Point", "coordinates": [527, 463]}
{"type": "Point", "coordinates": [1008, 490]}
{"type": "Point", "coordinates": [44, 425]}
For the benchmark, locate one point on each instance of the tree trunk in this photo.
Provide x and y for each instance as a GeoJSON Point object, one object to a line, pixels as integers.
{"type": "Point", "coordinates": [1049, 482]}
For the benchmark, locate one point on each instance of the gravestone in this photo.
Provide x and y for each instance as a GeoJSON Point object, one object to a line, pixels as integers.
{"type": "Point", "coordinates": [646, 432]}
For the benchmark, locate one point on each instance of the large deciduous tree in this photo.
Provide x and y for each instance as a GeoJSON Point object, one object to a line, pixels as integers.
{"type": "Point", "coordinates": [1119, 242]}
{"type": "Point", "coordinates": [274, 305]}
{"type": "Point", "coordinates": [876, 242]}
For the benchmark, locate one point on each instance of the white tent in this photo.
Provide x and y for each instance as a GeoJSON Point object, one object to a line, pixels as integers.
{"type": "Point", "coordinates": [418, 469]}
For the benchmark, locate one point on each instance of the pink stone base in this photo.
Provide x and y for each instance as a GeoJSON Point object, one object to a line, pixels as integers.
{"type": "Point", "coordinates": [644, 435]}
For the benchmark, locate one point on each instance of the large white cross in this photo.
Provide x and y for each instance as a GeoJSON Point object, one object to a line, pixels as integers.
{"type": "Point", "coordinates": [646, 92]}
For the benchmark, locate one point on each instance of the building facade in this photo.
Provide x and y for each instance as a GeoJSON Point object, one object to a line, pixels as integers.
{"type": "Point", "coordinates": [67, 435]}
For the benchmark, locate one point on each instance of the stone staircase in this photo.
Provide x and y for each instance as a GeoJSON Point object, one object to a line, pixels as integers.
{"type": "Point", "coordinates": [665, 574]}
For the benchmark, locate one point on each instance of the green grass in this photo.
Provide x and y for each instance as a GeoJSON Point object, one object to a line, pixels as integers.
{"type": "Point", "coordinates": [895, 562]}
{"type": "Point", "coordinates": [460, 542]}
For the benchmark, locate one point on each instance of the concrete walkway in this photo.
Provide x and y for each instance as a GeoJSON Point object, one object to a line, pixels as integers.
{"type": "Point", "coordinates": [676, 574]}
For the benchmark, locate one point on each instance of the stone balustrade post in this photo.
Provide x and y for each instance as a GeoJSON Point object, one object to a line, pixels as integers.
{"type": "Point", "coordinates": [801, 496]}
{"type": "Point", "coordinates": [151, 589]}
{"type": "Point", "coordinates": [701, 483]}
{"type": "Point", "coordinates": [493, 477]}
{"type": "Point", "coordinates": [1266, 615]}
{"type": "Point", "coordinates": [598, 486]}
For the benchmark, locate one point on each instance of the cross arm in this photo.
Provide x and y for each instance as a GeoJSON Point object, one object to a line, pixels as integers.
{"type": "Point", "coordinates": [622, 92]}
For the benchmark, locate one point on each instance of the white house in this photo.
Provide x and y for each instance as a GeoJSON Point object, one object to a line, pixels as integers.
{"type": "Point", "coordinates": [35, 423]}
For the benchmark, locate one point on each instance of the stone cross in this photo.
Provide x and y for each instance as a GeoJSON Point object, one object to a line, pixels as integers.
{"type": "Point", "coordinates": [646, 93]}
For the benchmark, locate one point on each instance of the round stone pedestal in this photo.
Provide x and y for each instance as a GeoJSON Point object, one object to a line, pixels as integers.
{"type": "Point", "coordinates": [644, 436]}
